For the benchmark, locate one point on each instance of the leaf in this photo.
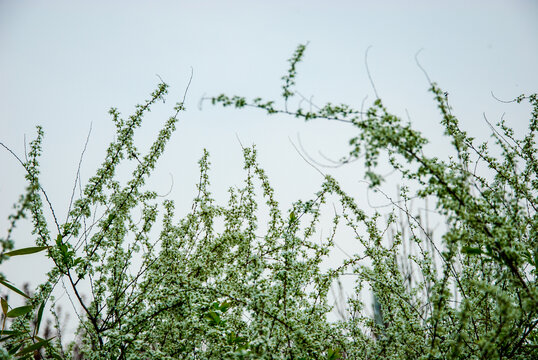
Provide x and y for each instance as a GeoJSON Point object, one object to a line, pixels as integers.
{"type": "Point", "coordinates": [39, 316]}
{"type": "Point", "coordinates": [213, 317]}
{"type": "Point", "coordinates": [59, 239]}
{"type": "Point", "coordinates": [333, 354]}
{"type": "Point", "coordinates": [41, 339]}
{"type": "Point", "coordinates": [26, 251]}
{"type": "Point", "coordinates": [56, 356]}
{"type": "Point", "coordinates": [224, 306]}
{"type": "Point", "coordinates": [31, 348]}
{"type": "Point", "coordinates": [7, 337]}
{"type": "Point", "coordinates": [4, 306]}
{"type": "Point", "coordinates": [10, 332]}
{"type": "Point", "coordinates": [19, 311]}
{"type": "Point", "coordinates": [11, 287]}
{"type": "Point", "coordinates": [293, 217]}
{"type": "Point", "coordinates": [15, 349]}
{"type": "Point", "coordinates": [471, 250]}
{"type": "Point", "coordinates": [232, 338]}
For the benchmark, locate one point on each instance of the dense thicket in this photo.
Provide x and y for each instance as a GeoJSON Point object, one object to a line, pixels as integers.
{"type": "Point", "coordinates": [229, 281]}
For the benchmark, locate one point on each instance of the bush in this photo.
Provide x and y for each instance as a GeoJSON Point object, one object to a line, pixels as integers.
{"type": "Point", "coordinates": [219, 283]}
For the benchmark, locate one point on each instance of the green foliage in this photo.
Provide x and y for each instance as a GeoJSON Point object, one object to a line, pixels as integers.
{"type": "Point", "coordinates": [224, 281]}
{"type": "Point", "coordinates": [22, 340]}
{"type": "Point", "coordinates": [289, 78]}
{"type": "Point", "coordinates": [490, 246]}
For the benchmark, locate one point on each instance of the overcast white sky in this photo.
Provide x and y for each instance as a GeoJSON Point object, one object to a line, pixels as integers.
{"type": "Point", "coordinates": [63, 64]}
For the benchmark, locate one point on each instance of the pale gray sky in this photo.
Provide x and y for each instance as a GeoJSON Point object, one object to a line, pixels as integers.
{"type": "Point", "coordinates": [63, 64]}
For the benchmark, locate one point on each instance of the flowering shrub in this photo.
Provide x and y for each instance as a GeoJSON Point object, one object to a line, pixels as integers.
{"type": "Point", "coordinates": [219, 283]}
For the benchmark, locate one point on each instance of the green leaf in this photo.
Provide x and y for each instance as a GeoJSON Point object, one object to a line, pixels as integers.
{"type": "Point", "coordinates": [7, 337]}
{"type": "Point", "coordinates": [232, 338]}
{"type": "Point", "coordinates": [333, 354]}
{"type": "Point", "coordinates": [19, 311]}
{"type": "Point", "coordinates": [26, 251]}
{"type": "Point", "coordinates": [224, 306]}
{"type": "Point", "coordinates": [293, 217]}
{"type": "Point", "coordinates": [15, 349]}
{"type": "Point", "coordinates": [213, 317]}
{"type": "Point", "coordinates": [32, 348]}
{"type": "Point", "coordinates": [10, 332]}
{"type": "Point", "coordinates": [471, 250]}
{"type": "Point", "coordinates": [41, 339]}
{"type": "Point", "coordinates": [4, 306]}
{"type": "Point", "coordinates": [39, 316]}
{"type": "Point", "coordinates": [56, 356]}
{"type": "Point", "coordinates": [11, 287]}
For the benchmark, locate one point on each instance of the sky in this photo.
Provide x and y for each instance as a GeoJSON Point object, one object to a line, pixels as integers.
{"type": "Point", "coordinates": [63, 64]}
